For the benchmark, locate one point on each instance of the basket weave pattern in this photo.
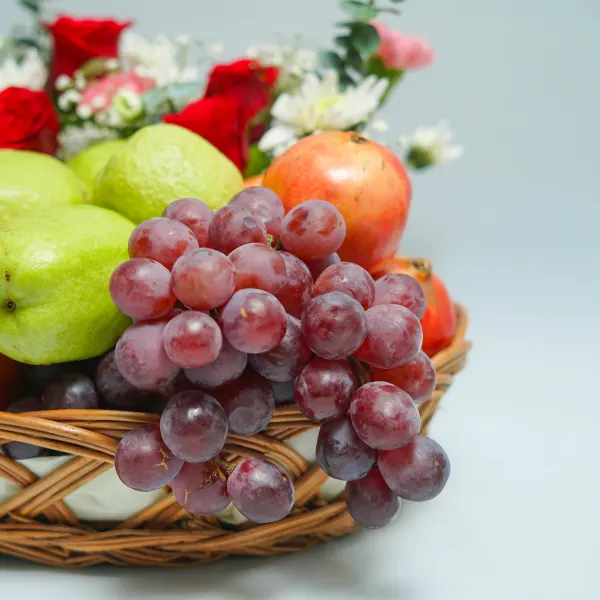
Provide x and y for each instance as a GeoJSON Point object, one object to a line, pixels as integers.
{"type": "Point", "coordinates": [37, 525]}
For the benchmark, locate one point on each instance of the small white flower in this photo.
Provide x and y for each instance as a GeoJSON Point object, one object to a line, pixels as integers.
{"type": "Point", "coordinates": [68, 100]}
{"type": "Point", "coordinates": [79, 79]}
{"type": "Point", "coordinates": [157, 58]}
{"type": "Point", "coordinates": [435, 141]}
{"type": "Point", "coordinates": [29, 73]}
{"type": "Point", "coordinates": [112, 64]}
{"type": "Point", "coordinates": [320, 105]}
{"type": "Point", "coordinates": [98, 102]}
{"type": "Point", "coordinates": [83, 112]}
{"type": "Point", "coordinates": [75, 138]}
{"type": "Point", "coordinates": [62, 83]}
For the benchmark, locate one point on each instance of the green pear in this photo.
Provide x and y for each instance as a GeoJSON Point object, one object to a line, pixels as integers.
{"type": "Point", "coordinates": [55, 267]}
{"type": "Point", "coordinates": [161, 163]}
{"type": "Point", "coordinates": [89, 163]}
{"type": "Point", "coordinates": [33, 182]}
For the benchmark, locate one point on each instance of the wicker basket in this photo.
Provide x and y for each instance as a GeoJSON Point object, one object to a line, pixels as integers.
{"type": "Point", "coordinates": [37, 525]}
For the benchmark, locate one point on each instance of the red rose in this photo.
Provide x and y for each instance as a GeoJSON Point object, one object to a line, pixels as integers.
{"type": "Point", "coordinates": [249, 82]}
{"type": "Point", "coordinates": [76, 41]}
{"type": "Point", "coordinates": [28, 121]}
{"type": "Point", "coordinates": [220, 120]}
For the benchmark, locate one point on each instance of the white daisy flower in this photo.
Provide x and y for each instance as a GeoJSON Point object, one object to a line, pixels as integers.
{"type": "Point", "coordinates": [431, 145]}
{"type": "Point", "coordinates": [29, 73]}
{"type": "Point", "coordinates": [75, 138]}
{"type": "Point", "coordinates": [157, 58]}
{"type": "Point", "coordinates": [319, 105]}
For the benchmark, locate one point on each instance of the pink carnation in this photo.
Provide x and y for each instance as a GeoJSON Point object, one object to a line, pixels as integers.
{"type": "Point", "coordinates": [402, 52]}
{"type": "Point", "coordinates": [100, 94]}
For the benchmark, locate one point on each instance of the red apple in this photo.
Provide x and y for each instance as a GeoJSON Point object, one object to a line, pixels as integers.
{"type": "Point", "coordinates": [439, 320]}
{"type": "Point", "coordinates": [363, 179]}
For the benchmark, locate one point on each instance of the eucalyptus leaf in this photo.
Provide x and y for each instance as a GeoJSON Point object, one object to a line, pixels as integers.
{"type": "Point", "coordinates": [358, 11]}
{"type": "Point", "coordinates": [365, 38]}
{"type": "Point", "coordinates": [182, 94]}
{"type": "Point", "coordinates": [34, 6]}
{"type": "Point", "coordinates": [155, 100]}
{"type": "Point", "coordinates": [343, 41]}
{"type": "Point", "coordinates": [354, 59]}
{"type": "Point", "coordinates": [331, 60]}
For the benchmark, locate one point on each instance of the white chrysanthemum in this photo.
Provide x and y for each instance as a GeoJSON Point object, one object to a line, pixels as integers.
{"type": "Point", "coordinates": [319, 105]}
{"type": "Point", "coordinates": [29, 73]}
{"type": "Point", "coordinates": [158, 58]}
{"type": "Point", "coordinates": [435, 141]}
{"type": "Point", "coordinates": [75, 138]}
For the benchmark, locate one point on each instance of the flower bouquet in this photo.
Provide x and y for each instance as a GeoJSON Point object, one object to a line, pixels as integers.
{"type": "Point", "coordinates": [208, 345]}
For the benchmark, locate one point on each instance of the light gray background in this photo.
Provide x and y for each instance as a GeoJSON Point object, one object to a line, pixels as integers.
{"type": "Point", "coordinates": [512, 229]}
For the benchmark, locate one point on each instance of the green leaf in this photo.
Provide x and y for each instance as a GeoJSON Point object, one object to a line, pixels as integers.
{"type": "Point", "coordinates": [354, 59]}
{"type": "Point", "coordinates": [365, 38]}
{"type": "Point", "coordinates": [331, 60]}
{"type": "Point", "coordinates": [258, 161]}
{"type": "Point", "coordinates": [358, 11]}
{"type": "Point", "coordinates": [343, 41]}
{"type": "Point", "coordinates": [375, 67]}
{"type": "Point", "coordinates": [34, 6]}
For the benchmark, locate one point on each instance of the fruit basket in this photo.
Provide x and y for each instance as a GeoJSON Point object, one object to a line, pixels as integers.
{"type": "Point", "coordinates": [36, 524]}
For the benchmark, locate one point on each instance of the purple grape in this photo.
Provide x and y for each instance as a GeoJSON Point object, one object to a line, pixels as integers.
{"type": "Point", "coordinates": [194, 214]}
{"type": "Point", "coordinates": [348, 278]}
{"type": "Point", "coordinates": [258, 266]}
{"type": "Point", "coordinates": [285, 361]}
{"type": "Point", "coordinates": [316, 267]}
{"type": "Point", "coordinates": [194, 426]}
{"type": "Point", "coordinates": [22, 450]}
{"type": "Point", "coordinates": [334, 325]}
{"type": "Point", "coordinates": [261, 491]}
{"type": "Point", "coordinates": [341, 453]}
{"type": "Point", "coordinates": [71, 391]}
{"type": "Point", "coordinates": [248, 402]}
{"type": "Point", "coordinates": [200, 489]}
{"type": "Point", "coordinates": [265, 204]}
{"type": "Point", "coordinates": [324, 389]}
{"type": "Point", "coordinates": [143, 462]}
{"type": "Point", "coordinates": [370, 501]}
{"type": "Point", "coordinates": [141, 358]}
{"type": "Point", "coordinates": [229, 365]}
{"type": "Point", "coordinates": [283, 392]}
{"type": "Point", "coordinates": [296, 291]}
{"type": "Point", "coordinates": [402, 289]}
{"type": "Point", "coordinates": [416, 472]}
{"type": "Point", "coordinates": [234, 226]}
{"type": "Point", "coordinates": [253, 321]}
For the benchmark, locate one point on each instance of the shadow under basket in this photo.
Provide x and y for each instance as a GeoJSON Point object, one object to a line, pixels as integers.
{"type": "Point", "coordinates": [36, 525]}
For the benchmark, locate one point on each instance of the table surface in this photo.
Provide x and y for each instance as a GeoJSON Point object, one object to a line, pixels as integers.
{"type": "Point", "coordinates": [512, 229]}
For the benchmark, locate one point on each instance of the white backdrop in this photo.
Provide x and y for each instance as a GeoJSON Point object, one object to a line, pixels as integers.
{"type": "Point", "coordinates": [512, 229]}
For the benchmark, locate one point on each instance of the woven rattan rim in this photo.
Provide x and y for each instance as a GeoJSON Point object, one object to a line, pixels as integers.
{"type": "Point", "coordinates": [37, 525]}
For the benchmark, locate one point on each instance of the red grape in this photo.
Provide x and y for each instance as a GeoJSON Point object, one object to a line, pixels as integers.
{"type": "Point", "coordinates": [296, 291]}
{"type": "Point", "coordinates": [162, 240]}
{"type": "Point", "coordinates": [194, 426]}
{"type": "Point", "coordinates": [341, 453]}
{"type": "Point", "coordinates": [71, 391]}
{"type": "Point", "coordinates": [394, 336]}
{"type": "Point", "coordinates": [283, 392]}
{"type": "Point", "coordinates": [370, 501]}
{"type": "Point", "coordinates": [115, 389]}
{"type": "Point", "coordinates": [229, 365]}
{"type": "Point", "coordinates": [316, 267]}
{"type": "Point", "coordinates": [234, 226]}
{"type": "Point", "coordinates": [402, 289]}
{"type": "Point", "coordinates": [203, 279]}
{"type": "Point", "coordinates": [416, 377]}
{"type": "Point", "coordinates": [348, 278]}
{"type": "Point", "coordinates": [417, 471]}
{"type": "Point", "coordinates": [192, 339]}
{"type": "Point", "coordinates": [384, 416]}
{"type": "Point", "coordinates": [200, 489]}
{"type": "Point", "coordinates": [180, 383]}
{"type": "Point", "coordinates": [283, 362]}
{"type": "Point", "coordinates": [313, 230]}
{"type": "Point", "coordinates": [253, 321]}
{"type": "Point", "coordinates": [248, 402]}
{"type": "Point", "coordinates": [22, 450]}
{"type": "Point", "coordinates": [141, 358]}
{"type": "Point", "coordinates": [143, 462]}
{"type": "Point", "coordinates": [194, 214]}
{"type": "Point", "coordinates": [334, 325]}
{"type": "Point", "coordinates": [261, 491]}
{"type": "Point", "coordinates": [324, 389]}
{"type": "Point", "coordinates": [265, 204]}
{"type": "Point", "coordinates": [141, 288]}
{"type": "Point", "coordinates": [258, 266]}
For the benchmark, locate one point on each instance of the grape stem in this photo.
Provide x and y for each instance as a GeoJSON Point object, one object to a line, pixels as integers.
{"type": "Point", "coordinates": [223, 467]}
{"type": "Point", "coordinates": [361, 372]}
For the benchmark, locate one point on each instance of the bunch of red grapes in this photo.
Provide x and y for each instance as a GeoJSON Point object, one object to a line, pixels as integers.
{"type": "Point", "coordinates": [255, 308]}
